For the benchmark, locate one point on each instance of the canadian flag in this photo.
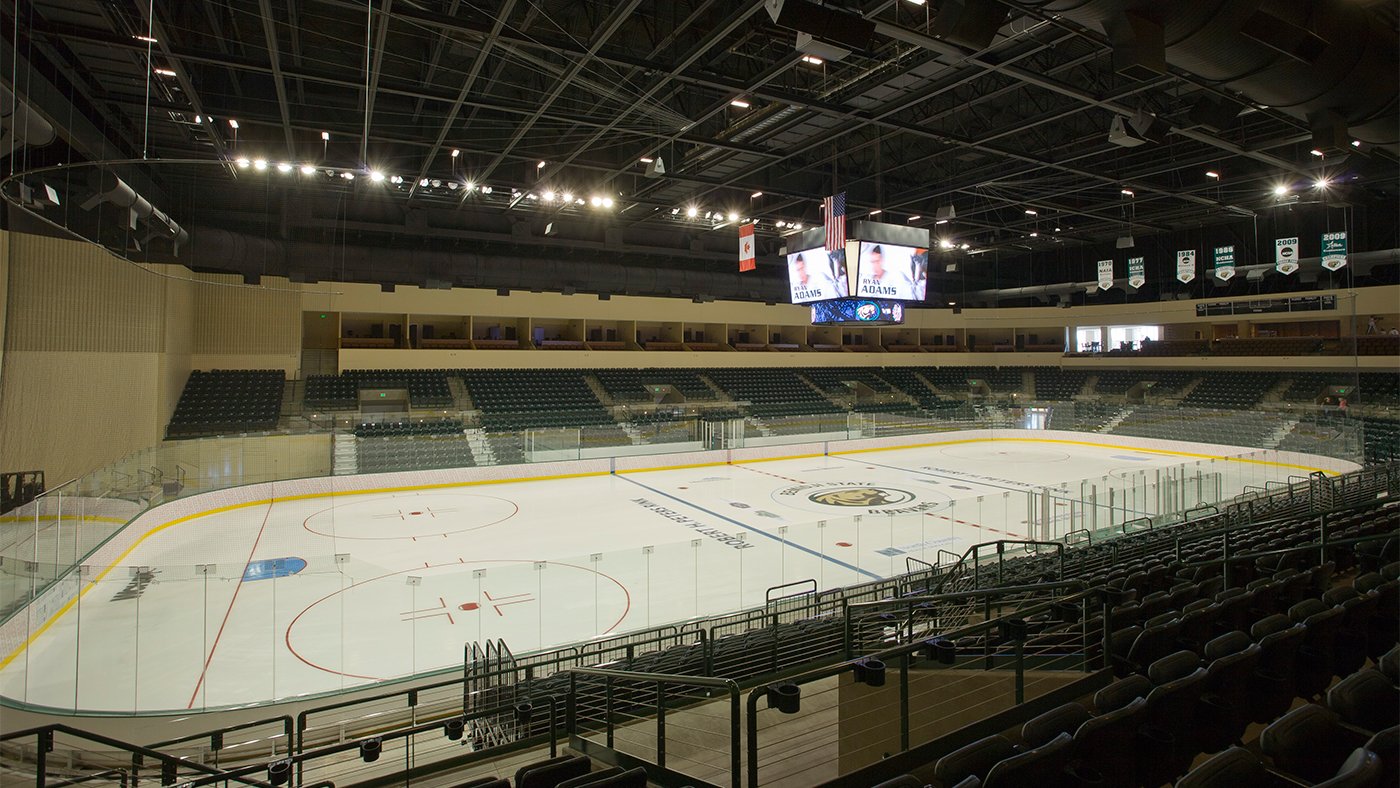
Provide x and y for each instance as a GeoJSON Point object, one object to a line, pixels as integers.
{"type": "Point", "coordinates": [746, 261]}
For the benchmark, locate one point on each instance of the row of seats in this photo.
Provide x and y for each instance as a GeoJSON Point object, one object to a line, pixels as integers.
{"type": "Point", "coordinates": [1237, 390]}
{"type": "Point", "coordinates": [219, 402]}
{"type": "Point", "coordinates": [1059, 384]}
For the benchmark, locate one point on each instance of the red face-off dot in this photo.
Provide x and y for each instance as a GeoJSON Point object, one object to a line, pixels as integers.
{"type": "Point", "coordinates": [843, 544]}
{"type": "Point", "coordinates": [468, 606]}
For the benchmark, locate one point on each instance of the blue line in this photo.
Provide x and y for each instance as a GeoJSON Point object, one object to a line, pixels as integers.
{"type": "Point", "coordinates": [748, 527]}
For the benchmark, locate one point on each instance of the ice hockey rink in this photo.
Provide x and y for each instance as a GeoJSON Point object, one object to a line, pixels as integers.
{"type": "Point", "coordinates": [225, 600]}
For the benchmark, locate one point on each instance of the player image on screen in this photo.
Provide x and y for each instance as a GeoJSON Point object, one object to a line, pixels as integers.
{"type": "Point", "coordinates": [813, 276]}
{"type": "Point", "coordinates": [889, 271]}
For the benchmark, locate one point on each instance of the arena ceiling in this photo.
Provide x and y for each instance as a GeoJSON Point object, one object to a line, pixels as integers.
{"type": "Point", "coordinates": [477, 111]}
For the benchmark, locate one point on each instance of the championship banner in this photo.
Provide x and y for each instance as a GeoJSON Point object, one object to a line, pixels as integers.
{"type": "Point", "coordinates": [1225, 263]}
{"type": "Point", "coordinates": [746, 259]}
{"type": "Point", "coordinates": [1105, 274]}
{"type": "Point", "coordinates": [1186, 265]}
{"type": "Point", "coordinates": [1334, 250]}
{"type": "Point", "coordinates": [1137, 272]}
{"type": "Point", "coordinates": [1286, 255]}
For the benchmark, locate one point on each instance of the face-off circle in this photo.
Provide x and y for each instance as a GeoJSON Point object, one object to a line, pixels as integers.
{"type": "Point", "coordinates": [391, 625]}
{"type": "Point", "coordinates": [410, 516]}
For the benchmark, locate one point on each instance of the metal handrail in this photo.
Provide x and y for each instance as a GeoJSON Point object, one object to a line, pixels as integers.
{"type": "Point", "coordinates": [904, 654]}
{"type": "Point", "coordinates": [661, 680]}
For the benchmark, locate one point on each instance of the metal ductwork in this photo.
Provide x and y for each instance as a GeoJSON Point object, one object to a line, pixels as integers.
{"type": "Point", "coordinates": [20, 124]}
{"type": "Point", "coordinates": [1308, 59]}
{"type": "Point", "coordinates": [222, 250]}
{"type": "Point", "coordinates": [1361, 262]}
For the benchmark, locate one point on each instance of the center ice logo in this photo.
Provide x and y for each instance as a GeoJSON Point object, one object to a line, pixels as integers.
{"type": "Point", "coordinates": [861, 497]}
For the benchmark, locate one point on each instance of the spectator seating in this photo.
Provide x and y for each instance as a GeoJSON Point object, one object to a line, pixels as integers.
{"type": "Point", "coordinates": [1059, 384]}
{"type": "Point", "coordinates": [427, 388]}
{"type": "Point", "coordinates": [1235, 390]}
{"type": "Point", "coordinates": [630, 385]}
{"type": "Point", "coordinates": [331, 392]}
{"type": "Point", "coordinates": [772, 392]}
{"type": "Point", "coordinates": [227, 401]}
{"type": "Point", "coordinates": [833, 380]}
{"type": "Point", "coordinates": [534, 399]}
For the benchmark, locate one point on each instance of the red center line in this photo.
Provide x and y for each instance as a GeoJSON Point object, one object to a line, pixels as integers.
{"type": "Point", "coordinates": [222, 624]}
{"type": "Point", "coordinates": [774, 475]}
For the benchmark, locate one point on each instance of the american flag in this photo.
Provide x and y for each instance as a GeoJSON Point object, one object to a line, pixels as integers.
{"type": "Point", "coordinates": [834, 207]}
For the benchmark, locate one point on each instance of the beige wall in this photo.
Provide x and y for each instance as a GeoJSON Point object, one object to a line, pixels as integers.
{"type": "Point", "coordinates": [349, 297]}
{"type": "Point", "coordinates": [93, 356]}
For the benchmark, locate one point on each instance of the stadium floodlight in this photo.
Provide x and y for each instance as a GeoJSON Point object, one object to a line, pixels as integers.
{"type": "Point", "coordinates": [325, 136]}
{"type": "Point", "coordinates": [1321, 183]}
{"type": "Point", "coordinates": [595, 200]}
{"type": "Point", "coordinates": [812, 60]}
{"type": "Point", "coordinates": [914, 218]}
{"type": "Point", "coordinates": [944, 243]}
{"type": "Point", "coordinates": [1031, 212]}
{"type": "Point", "coordinates": [733, 217]}
{"type": "Point", "coordinates": [283, 167]}
{"type": "Point", "coordinates": [876, 212]}
{"type": "Point", "coordinates": [540, 166]}
{"type": "Point", "coordinates": [1280, 190]}
{"type": "Point", "coordinates": [797, 226]}
{"type": "Point", "coordinates": [260, 164]}
{"type": "Point", "coordinates": [607, 202]}
{"type": "Point", "coordinates": [755, 195]}
{"type": "Point", "coordinates": [233, 124]}
{"type": "Point", "coordinates": [1213, 175]}
{"type": "Point", "coordinates": [568, 197]}
{"type": "Point", "coordinates": [164, 72]}
{"type": "Point", "coordinates": [307, 169]}
{"type": "Point", "coordinates": [456, 153]}
{"type": "Point", "coordinates": [646, 160]}
{"type": "Point", "coordinates": [1314, 151]}
{"type": "Point", "coordinates": [376, 176]}
{"type": "Point", "coordinates": [549, 196]}
{"type": "Point", "coordinates": [242, 162]}
{"type": "Point", "coordinates": [692, 212]}
{"type": "Point", "coordinates": [740, 103]}
{"type": "Point", "coordinates": [1126, 192]}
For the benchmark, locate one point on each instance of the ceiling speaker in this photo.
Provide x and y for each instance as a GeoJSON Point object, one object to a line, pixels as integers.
{"type": "Point", "coordinates": [1139, 50]}
{"type": "Point", "coordinates": [971, 23]}
{"type": "Point", "coordinates": [824, 24]}
{"type": "Point", "coordinates": [655, 168]}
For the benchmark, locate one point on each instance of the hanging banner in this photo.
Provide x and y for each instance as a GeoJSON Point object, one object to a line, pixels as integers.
{"type": "Point", "coordinates": [746, 258]}
{"type": "Point", "coordinates": [1286, 255]}
{"type": "Point", "coordinates": [1334, 250]}
{"type": "Point", "coordinates": [1105, 274]}
{"type": "Point", "coordinates": [1137, 272]}
{"type": "Point", "coordinates": [1186, 265]}
{"type": "Point", "coordinates": [1225, 263]}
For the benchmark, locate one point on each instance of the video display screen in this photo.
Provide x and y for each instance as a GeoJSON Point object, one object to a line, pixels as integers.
{"type": "Point", "coordinates": [858, 311]}
{"type": "Point", "coordinates": [889, 271]}
{"type": "Point", "coordinates": [815, 275]}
